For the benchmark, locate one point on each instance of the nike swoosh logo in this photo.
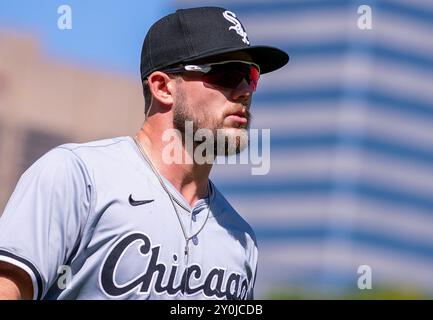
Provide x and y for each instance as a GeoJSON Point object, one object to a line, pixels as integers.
{"type": "Point", "coordinates": [135, 203]}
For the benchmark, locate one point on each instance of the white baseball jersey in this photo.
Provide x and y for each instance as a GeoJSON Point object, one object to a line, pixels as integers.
{"type": "Point", "coordinates": [92, 221]}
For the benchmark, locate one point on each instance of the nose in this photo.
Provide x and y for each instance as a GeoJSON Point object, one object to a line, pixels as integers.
{"type": "Point", "coordinates": [242, 92]}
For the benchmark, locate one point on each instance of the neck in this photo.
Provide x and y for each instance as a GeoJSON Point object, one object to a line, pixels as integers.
{"type": "Point", "coordinates": [188, 177]}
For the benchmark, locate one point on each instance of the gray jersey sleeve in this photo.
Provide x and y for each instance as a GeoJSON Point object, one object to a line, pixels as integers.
{"type": "Point", "coordinates": [45, 215]}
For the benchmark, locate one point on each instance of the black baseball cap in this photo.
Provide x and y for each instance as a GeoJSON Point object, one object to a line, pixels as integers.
{"type": "Point", "coordinates": [196, 33]}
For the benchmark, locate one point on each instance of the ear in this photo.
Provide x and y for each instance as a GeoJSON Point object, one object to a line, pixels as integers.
{"type": "Point", "coordinates": [161, 87]}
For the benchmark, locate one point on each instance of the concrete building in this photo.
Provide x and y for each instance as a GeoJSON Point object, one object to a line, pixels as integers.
{"type": "Point", "coordinates": [44, 103]}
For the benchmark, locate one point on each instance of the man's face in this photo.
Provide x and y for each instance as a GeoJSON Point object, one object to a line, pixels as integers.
{"type": "Point", "coordinates": [225, 112]}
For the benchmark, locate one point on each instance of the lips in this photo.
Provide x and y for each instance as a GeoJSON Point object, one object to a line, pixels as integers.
{"type": "Point", "coordinates": [238, 117]}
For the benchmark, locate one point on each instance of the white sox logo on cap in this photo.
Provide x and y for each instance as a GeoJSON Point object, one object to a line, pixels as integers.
{"type": "Point", "coordinates": [231, 17]}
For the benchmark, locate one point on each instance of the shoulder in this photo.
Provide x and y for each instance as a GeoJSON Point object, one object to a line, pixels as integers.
{"type": "Point", "coordinates": [78, 151]}
{"type": "Point", "coordinates": [95, 155]}
{"type": "Point", "coordinates": [74, 160]}
{"type": "Point", "coordinates": [57, 162]}
{"type": "Point", "coordinates": [97, 147]}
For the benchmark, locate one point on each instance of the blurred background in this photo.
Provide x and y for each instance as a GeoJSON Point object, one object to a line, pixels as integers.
{"type": "Point", "coordinates": [351, 120]}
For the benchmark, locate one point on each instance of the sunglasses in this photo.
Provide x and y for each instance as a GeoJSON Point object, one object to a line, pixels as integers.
{"type": "Point", "coordinates": [227, 74]}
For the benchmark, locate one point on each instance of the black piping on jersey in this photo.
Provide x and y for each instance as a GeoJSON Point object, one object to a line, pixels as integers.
{"type": "Point", "coordinates": [28, 264]}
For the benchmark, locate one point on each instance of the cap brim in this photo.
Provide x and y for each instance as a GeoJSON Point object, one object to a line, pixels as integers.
{"type": "Point", "coordinates": [268, 58]}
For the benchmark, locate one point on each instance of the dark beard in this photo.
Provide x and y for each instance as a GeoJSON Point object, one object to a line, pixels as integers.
{"type": "Point", "coordinates": [180, 118]}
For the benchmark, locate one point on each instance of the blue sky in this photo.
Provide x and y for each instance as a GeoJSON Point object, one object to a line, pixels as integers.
{"type": "Point", "coordinates": [104, 34]}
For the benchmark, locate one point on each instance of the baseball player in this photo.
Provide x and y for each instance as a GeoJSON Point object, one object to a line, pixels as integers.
{"type": "Point", "coordinates": [113, 219]}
